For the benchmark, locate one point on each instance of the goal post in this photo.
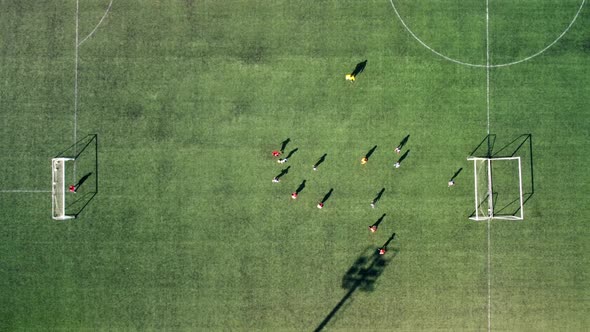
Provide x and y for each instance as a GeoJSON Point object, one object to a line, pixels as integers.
{"type": "Point", "coordinates": [58, 188]}
{"type": "Point", "coordinates": [487, 195]}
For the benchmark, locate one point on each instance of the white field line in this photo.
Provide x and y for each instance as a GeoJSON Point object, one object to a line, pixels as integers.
{"type": "Point", "coordinates": [24, 191]}
{"type": "Point", "coordinates": [489, 271]}
{"type": "Point", "coordinates": [485, 65]}
{"type": "Point", "coordinates": [489, 277]}
{"type": "Point", "coordinates": [76, 88]}
{"type": "Point", "coordinates": [99, 23]}
{"type": "Point", "coordinates": [488, 64]}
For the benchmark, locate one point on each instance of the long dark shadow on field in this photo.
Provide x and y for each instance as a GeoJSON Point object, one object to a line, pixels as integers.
{"type": "Point", "coordinates": [379, 221]}
{"type": "Point", "coordinates": [456, 173]}
{"type": "Point", "coordinates": [283, 172]}
{"type": "Point", "coordinates": [378, 197]}
{"type": "Point", "coordinates": [284, 144]}
{"type": "Point", "coordinates": [360, 276]}
{"type": "Point", "coordinates": [327, 195]}
{"type": "Point", "coordinates": [516, 143]}
{"type": "Point", "coordinates": [85, 141]}
{"type": "Point", "coordinates": [359, 68]}
{"type": "Point", "coordinates": [404, 156]}
{"type": "Point", "coordinates": [370, 152]}
{"type": "Point", "coordinates": [489, 142]}
{"type": "Point", "coordinates": [301, 187]}
{"type": "Point", "coordinates": [82, 180]}
{"type": "Point", "coordinates": [403, 142]}
{"type": "Point", "coordinates": [291, 153]}
{"type": "Point", "coordinates": [511, 149]}
{"type": "Point", "coordinates": [320, 161]}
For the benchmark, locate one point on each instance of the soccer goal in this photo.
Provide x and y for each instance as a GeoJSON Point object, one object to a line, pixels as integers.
{"type": "Point", "coordinates": [506, 172]}
{"type": "Point", "coordinates": [58, 188]}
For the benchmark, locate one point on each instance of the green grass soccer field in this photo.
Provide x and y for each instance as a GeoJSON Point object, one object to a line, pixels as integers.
{"type": "Point", "coordinates": [173, 108]}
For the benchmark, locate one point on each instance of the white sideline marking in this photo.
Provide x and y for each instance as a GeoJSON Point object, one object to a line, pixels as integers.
{"type": "Point", "coordinates": [486, 65]}
{"type": "Point", "coordinates": [24, 191]}
{"type": "Point", "coordinates": [99, 23]}
{"type": "Point", "coordinates": [76, 88]}
{"type": "Point", "coordinates": [489, 271]}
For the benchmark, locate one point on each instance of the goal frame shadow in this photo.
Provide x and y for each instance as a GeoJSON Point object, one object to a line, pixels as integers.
{"type": "Point", "coordinates": [521, 144]}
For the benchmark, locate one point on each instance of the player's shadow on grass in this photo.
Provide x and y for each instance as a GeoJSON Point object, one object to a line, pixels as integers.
{"type": "Point", "coordinates": [283, 172]}
{"type": "Point", "coordinates": [320, 161]}
{"type": "Point", "coordinates": [370, 152]}
{"type": "Point", "coordinates": [379, 221]}
{"type": "Point", "coordinates": [291, 153]}
{"type": "Point", "coordinates": [403, 142]}
{"type": "Point", "coordinates": [327, 195]}
{"type": "Point", "coordinates": [301, 187]}
{"type": "Point", "coordinates": [403, 157]}
{"type": "Point", "coordinates": [284, 144]}
{"type": "Point", "coordinates": [82, 180]}
{"type": "Point", "coordinates": [362, 276]}
{"type": "Point", "coordinates": [456, 174]}
{"type": "Point", "coordinates": [378, 197]}
{"type": "Point", "coordinates": [359, 68]}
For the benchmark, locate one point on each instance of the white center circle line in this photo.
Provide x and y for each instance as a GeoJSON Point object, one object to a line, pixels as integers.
{"type": "Point", "coordinates": [485, 65]}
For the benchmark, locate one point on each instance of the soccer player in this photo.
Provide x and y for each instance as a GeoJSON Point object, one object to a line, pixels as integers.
{"type": "Point", "coordinates": [451, 182]}
{"type": "Point", "coordinates": [276, 179]}
{"type": "Point", "coordinates": [320, 205]}
{"type": "Point", "coordinates": [72, 189]}
{"type": "Point", "coordinates": [364, 160]}
{"type": "Point", "coordinates": [294, 195]}
{"type": "Point", "coordinates": [373, 228]}
{"type": "Point", "coordinates": [282, 161]}
{"type": "Point", "coordinates": [398, 149]}
{"type": "Point", "coordinates": [373, 204]}
{"type": "Point", "coordinates": [397, 164]}
{"type": "Point", "coordinates": [382, 251]}
{"type": "Point", "coordinates": [350, 77]}
{"type": "Point", "coordinates": [276, 153]}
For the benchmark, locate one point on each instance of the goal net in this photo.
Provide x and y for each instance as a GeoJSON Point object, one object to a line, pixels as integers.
{"type": "Point", "coordinates": [58, 188]}
{"type": "Point", "coordinates": [498, 188]}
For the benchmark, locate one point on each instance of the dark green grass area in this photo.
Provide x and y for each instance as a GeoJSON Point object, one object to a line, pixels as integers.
{"type": "Point", "coordinates": [189, 99]}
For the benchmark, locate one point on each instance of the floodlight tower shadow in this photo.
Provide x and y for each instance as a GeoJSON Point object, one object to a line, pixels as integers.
{"type": "Point", "coordinates": [361, 275]}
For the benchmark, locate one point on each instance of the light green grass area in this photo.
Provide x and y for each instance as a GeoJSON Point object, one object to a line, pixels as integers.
{"type": "Point", "coordinates": [189, 98]}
